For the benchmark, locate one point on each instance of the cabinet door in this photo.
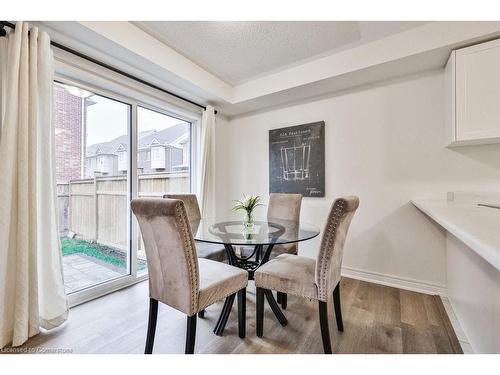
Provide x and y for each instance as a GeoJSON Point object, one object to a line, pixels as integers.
{"type": "Point", "coordinates": [478, 92]}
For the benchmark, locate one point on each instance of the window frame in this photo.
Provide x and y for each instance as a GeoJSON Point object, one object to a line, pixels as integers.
{"type": "Point", "coordinates": [74, 71]}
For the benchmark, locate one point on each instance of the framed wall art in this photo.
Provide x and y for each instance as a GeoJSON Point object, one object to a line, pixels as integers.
{"type": "Point", "coordinates": [297, 159]}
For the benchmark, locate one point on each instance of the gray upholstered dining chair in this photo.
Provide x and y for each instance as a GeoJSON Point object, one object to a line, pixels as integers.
{"type": "Point", "coordinates": [311, 278]}
{"type": "Point", "coordinates": [205, 250]}
{"type": "Point", "coordinates": [177, 277]}
{"type": "Point", "coordinates": [282, 206]}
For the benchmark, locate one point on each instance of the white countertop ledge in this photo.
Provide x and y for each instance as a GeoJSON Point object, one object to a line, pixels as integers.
{"type": "Point", "coordinates": [477, 227]}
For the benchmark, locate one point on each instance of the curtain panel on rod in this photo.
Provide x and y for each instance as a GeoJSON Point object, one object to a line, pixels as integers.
{"type": "Point", "coordinates": [32, 292]}
{"type": "Point", "coordinates": [207, 171]}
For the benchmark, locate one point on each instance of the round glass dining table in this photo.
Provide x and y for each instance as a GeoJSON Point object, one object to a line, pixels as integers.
{"type": "Point", "coordinates": [262, 236]}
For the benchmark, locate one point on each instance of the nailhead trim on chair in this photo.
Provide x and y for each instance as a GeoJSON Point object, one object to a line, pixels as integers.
{"type": "Point", "coordinates": [220, 299]}
{"type": "Point", "coordinates": [181, 216]}
{"type": "Point", "coordinates": [308, 296]}
{"type": "Point", "coordinates": [328, 243]}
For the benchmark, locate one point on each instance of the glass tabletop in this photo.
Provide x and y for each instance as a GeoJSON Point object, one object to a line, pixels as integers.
{"type": "Point", "coordinates": [263, 232]}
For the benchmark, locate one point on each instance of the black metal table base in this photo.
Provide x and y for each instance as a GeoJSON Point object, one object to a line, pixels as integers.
{"type": "Point", "coordinates": [224, 315]}
{"type": "Point", "coordinates": [247, 263]}
{"type": "Point", "coordinates": [251, 266]}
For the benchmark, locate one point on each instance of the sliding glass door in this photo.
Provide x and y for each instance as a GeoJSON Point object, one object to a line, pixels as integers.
{"type": "Point", "coordinates": [110, 148]}
{"type": "Point", "coordinates": [163, 160]}
{"type": "Point", "coordinates": [92, 169]}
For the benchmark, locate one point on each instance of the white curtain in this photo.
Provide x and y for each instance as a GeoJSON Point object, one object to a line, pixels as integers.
{"type": "Point", "coordinates": [207, 171]}
{"type": "Point", "coordinates": [31, 280]}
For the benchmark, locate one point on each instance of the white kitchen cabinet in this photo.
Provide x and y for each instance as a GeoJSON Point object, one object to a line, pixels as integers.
{"type": "Point", "coordinates": [473, 88]}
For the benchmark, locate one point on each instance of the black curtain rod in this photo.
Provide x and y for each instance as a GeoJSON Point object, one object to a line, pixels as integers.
{"type": "Point", "coordinates": [104, 65]}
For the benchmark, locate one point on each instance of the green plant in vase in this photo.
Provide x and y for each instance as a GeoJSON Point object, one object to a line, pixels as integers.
{"type": "Point", "coordinates": [248, 204]}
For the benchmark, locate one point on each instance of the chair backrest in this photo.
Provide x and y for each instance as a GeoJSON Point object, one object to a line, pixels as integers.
{"type": "Point", "coordinates": [170, 252]}
{"type": "Point", "coordinates": [329, 261]}
{"type": "Point", "coordinates": [284, 206]}
{"type": "Point", "coordinates": [191, 204]}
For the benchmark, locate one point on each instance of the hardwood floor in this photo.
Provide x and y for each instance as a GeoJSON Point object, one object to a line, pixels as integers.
{"type": "Point", "coordinates": [377, 319]}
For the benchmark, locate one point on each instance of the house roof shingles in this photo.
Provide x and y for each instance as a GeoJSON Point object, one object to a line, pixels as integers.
{"type": "Point", "coordinates": [164, 137]}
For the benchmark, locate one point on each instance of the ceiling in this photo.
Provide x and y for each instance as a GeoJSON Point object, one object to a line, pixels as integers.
{"type": "Point", "coordinates": [240, 51]}
{"type": "Point", "coordinates": [242, 67]}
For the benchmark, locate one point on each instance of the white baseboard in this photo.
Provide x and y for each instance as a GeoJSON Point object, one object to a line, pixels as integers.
{"type": "Point", "coordinates": [394, 281]}
{"type": "Point", "coordinates": [457, 327]}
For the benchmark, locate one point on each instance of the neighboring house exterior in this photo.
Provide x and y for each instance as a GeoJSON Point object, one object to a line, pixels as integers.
{"type": "Point", "coordinates": [101, 164]}
{"type": "Point", "coordinates": [68, 135]}
{"type": "Point", "coordinates": [69, 113]}
{"type": "Point", "coordinates": [158, 151]}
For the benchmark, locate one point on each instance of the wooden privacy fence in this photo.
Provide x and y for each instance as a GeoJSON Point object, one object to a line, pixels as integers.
{"type": "Point", "coordinates": [95, 209]}
{"type": "Point", "coordinates": [63, 206]}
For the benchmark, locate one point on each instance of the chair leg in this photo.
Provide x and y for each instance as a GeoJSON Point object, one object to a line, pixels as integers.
{"type": "Point", "coordinates": [201, 314]}
{"type": "Point", "coordinates": [284, 300]}
{"type": "Point", "coordinates": [338, 309]}
{"type": "Point", "coordinates": [274, 306]}
{"type": "Point", "coordinates": [224, 316]}
{"type": "Point", "coordinates": [323, 321]}
{"type": "Point", "coordinates": [281, 298]}
{"type": "Point", "coordinates": [260, 312]}
{"type": "Point", "coordinates": [190, 334]}
{"type": "Point", "coordinates": [153, 315]}
{"type": "Point", "coordinates": [242, 307]}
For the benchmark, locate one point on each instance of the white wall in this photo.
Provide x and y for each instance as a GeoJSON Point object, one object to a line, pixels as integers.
{"type": "Point", "coordinates": [384, 143]}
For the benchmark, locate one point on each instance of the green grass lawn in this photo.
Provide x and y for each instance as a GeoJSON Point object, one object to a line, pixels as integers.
{"type": "Point", "coordinates": [94, 250]}
{"type": "Point", "coordinates": [73, 246]}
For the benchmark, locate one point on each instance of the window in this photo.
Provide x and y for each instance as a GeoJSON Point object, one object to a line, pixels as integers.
{"type": "Point", "coordinates": [100, 135]}
{"type": "Point", "coordinates": [93, 214]}
{"type": "Point", "coordinates": [122, 159]}
{"type": "Point", "coordinates": [158, 133]}
{"type": "Point", "coordinates": [155, 154]}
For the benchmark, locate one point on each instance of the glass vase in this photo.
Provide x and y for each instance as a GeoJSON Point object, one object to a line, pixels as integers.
{"type": "Point", "coordinates": [249, 220]}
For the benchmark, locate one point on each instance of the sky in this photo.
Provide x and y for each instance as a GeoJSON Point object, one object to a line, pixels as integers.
{"type": "Point", "coordinates": [108, 119]}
